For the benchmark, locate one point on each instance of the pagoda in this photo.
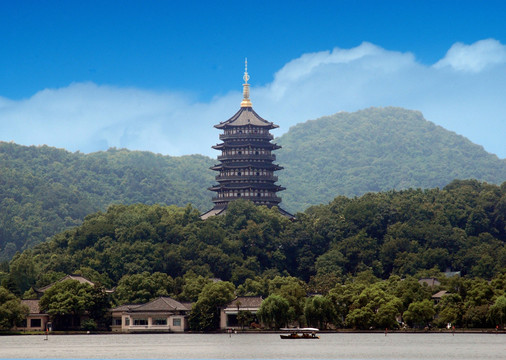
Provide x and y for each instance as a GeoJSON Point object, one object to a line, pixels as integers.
{"type": "Point", "coordinates": [246, 168]}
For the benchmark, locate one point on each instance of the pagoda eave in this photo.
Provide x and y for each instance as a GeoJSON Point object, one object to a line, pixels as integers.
{"type": "Point", "coordinates": [246, 144]}
{"type": "Point", "coordinates": [244, 117]}
{"type": "Point", "coordinates": [263, 186]}
{"type": "Point", "coordinates": [266, 166]}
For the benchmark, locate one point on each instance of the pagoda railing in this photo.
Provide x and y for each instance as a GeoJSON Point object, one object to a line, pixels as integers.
{"type": "Point", "coordinates": [256, 199]}
{"type": "Point", "coordinates": [246, 136]}
{"type": "Point", "coordinates": [247, 177]}
{"type": "Point", "coordinates": [270, 157]}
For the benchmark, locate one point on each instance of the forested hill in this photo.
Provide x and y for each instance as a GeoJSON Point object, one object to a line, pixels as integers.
{"type": "Point", "coordinates": [461, 227]}
{"type": "Point", "coordinates": [376, 149]}
{"type": "Point", "coordinates": [44, 190]}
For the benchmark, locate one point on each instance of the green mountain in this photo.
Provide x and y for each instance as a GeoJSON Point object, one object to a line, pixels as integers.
{"type": "Point", "coordinates": [44, 190]}
{"type": "Point", "coordinates": [376, 149]}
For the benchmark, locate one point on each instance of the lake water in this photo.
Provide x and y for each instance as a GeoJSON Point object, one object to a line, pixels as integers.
{"type": "Point", "coordinates": [256, 346]}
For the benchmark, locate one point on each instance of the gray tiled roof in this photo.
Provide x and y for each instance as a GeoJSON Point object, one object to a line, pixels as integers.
{"type": "Point", "coordinates": [246, 116]}
{"type": "Point", "coordinates": [212, 212]}
{"type": "Point", "coordinates": [244, 302]}
{"type": "Point", "coordinates": [79, 278]}
{"type": "Point", "coordinates": [161, 304]}
{"type": "Point", "coordinates": [440, 294]}
{"type": "Point", "coordinates": [126, 307]}
{"type": "Point", "coordinates": [33, 305]}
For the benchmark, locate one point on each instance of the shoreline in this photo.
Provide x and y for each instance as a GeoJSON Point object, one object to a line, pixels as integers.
{"type": "Point", "coordinates": [238, 332]}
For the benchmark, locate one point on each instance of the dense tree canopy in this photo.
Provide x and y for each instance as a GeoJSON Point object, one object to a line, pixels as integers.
{"type": "Point", "coordinates": [363, 256]}
{"type": "Point", "coordinates": [205, 314]}
{"type": "Point", "coordinates": [68, 300]}
{"type": "Point", "coordinates": [376, 149]}
{"type": "Point", "coordinates": [397, 232]}
{"type": "Point", "coordinates": [12, 312]}
{"type": "Point", "coordinates": [44, 190]}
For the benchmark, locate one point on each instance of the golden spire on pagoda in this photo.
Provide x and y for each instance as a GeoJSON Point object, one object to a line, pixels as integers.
{"type": "Point", "coordinates": [245, 87]}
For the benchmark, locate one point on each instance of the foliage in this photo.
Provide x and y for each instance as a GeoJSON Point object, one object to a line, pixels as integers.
{"type": "Point", "coordinates": [376, 149]}
{"type": "Point", "coordinates": [497, 312]}
{"type": "Point", "coordinates": [319, 311]}
{"type": "Point", "coordinates": [393, 233]}
{"type": "Point", "coordinates": [89, 325]}
{"type": "Point", "coordinates": [275, 311]}
{"type": "Point", "coordinates": [245, 318]}
{"type": "Point", "coordinates": [142, 288]}
{"type": "Point", "coordinates": [193, 285]}
{"type": "Point", "coordinates": [450, 310]}
{"type": "Point", "coordinates": [44, 190]}
{"type": "Point", "coordinates": [419, 313]}
{"type": "Point", "coordinates": [12, 312]}
{"type": "Point", "coordinates": [364, 254]}
{"type": "Point", "coordinates": [205, 315]}
{"type": "Point", "coordinates": [68, 300]}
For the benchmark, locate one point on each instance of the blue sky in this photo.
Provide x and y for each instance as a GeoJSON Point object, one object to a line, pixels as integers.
{"type": "Point", "coordinates": [156, 75]}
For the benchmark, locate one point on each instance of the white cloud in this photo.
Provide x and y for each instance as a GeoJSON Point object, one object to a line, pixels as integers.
{"type": "Point", "coordinates": [474, 57]}
{"type": "Point", "coordinates": [468, 100]}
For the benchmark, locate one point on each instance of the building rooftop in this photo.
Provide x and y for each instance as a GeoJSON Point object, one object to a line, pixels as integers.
{"type": "Point", "coordinates": [246, 116]}
{"type": "Point", "coordinates": [33, 306]}
{"type": "Point", "coordinates": [440, 294]}
{"type": "Point", "coordinates": [79, 278]}
{"type": "Point", "coordinates": [245, 302]}
{"type": "Point", "coordinates": [161, 304]}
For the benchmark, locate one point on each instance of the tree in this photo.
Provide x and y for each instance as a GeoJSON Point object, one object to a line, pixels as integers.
{"type": "Point", "coordinates": [275, 311]}
{"type": "Point", "coordinates": [477, 317]}
{"type": "Point", "coordinates": [319, 311]}
{"type": "Point", "coordinates": [386, 316]}
{"type": "Point", "coordinates": [12, 312]}
{"type": "Point", "coordinates": [295, 294]}
{"type": "Point", "coordinates": [419, 313]}
{"type": "Point", "coordinates": [193, 285]}
{"type": "Point", "coordinates": [360, 318]}
{"type": "Point", "coordinates": [22, 271]}
{"type": "Point", "coordinates": [68, 300]}
{"type": "Point", "coordinates": [98, 308]}
{"type": "Point", "coordinates": [332, 262]}
{"type": "Point", "coordinates": [497, 312]}
{"type": "Point", "coordinates": [408, 290]}
{"type": "Point", "coordinates": [450, 310]}
{"type": "Point", "coordinates": [245, 317]}
{"type": "Point", "coordinates": [254, 287]}
{"type": "Point", "coordinates": [142, 288]}
{"type": "Point", "coordinates": [205, 315]}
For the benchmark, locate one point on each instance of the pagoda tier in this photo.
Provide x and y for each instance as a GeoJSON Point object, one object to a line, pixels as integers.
{"type": "Point", "coordinates": [246, 168]}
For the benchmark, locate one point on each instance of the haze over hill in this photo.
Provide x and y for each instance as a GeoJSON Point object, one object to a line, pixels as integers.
{"type": "Point", "coordinates": [44, 190]}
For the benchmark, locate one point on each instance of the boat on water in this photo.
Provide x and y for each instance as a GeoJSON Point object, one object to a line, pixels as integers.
{"type": "Point", "coordinates": [300, 333]}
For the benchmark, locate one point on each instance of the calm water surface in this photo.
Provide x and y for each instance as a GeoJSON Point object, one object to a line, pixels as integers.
{"type": "Point", "coordinates": [256, 346]}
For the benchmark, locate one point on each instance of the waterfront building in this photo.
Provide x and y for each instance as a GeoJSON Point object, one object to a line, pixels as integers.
{"type": "Point", "coordinates": [230, 314]}
{"type": "Point", "coordinates": [160, 315]}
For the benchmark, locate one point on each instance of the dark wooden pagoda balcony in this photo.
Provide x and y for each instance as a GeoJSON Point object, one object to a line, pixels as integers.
{"type": "Point", "coordinates": [246, 178]}
{"type": "Point", "coordinates": [257, 199]}
{"type": "Point", "coordinates": [242, 157]}
{"type": "Point", "coordinates": [246, 136]}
